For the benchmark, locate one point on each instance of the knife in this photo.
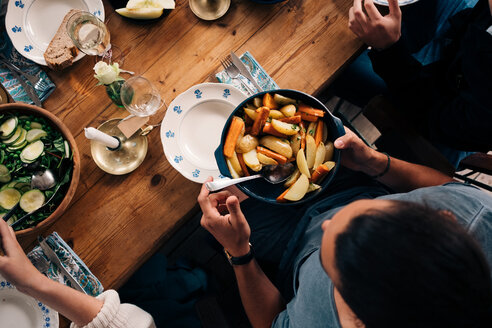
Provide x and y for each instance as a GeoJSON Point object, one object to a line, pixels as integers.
{"type": "Point", "coordinates": [31, 93]}
{"type": "Point", "coordinates": [244, 70]}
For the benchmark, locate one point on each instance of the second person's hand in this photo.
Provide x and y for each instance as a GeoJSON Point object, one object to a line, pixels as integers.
{"type": "Point", "coordinates": [374, 29]}
{"type": "Point", "coordinates": [231, 230]}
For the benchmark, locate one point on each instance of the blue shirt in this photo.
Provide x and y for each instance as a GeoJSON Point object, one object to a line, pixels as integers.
{"type": "Point", "coordinates": [313, 304]}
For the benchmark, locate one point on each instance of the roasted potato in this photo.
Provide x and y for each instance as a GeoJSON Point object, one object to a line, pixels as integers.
{"type": "Point", "coordinates": [298, 189]}
{"type": "Point", "coordinates": [277, 145]}
{"type": "Point", "coordinates": [310, 151]}
{"type": "Point", "coordinates": [320, 155]}
{"type": "Point", "coordinates": [330, 149]}
{"type": "Point", "coordinates": [234, 174]}
{"type": "Point", "coordinates": [295, 143]}
{"type": "Point", "coordinates": [276, 114]}
{"type": "Point", "coordinates": [257, 102]}
{"type": "Point", "coordinates": [288, 110]}
{"type": "Point", "coordinates": [285, 128]}
{"type": "Point", "coordinates": [265, 160]}
{"type": "Point", "coordinates": [246, 144]}
{"type": "Point", "coordinates": [293, 178]}
{"type": "Point", "coordinates": [251, 113]}
{"type": "Point", "coordinates": [282, 100]}
{"type": "Point", "coordinates": [302, 164]}
{"type": "Point", "coordinates": [251, 160]}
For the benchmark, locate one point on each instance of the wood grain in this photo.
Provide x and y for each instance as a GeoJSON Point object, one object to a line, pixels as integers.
{"type": "Point", "coordinates": [115, 223]}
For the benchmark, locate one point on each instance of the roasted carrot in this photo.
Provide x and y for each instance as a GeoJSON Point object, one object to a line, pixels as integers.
{"type": "Point", "coordinates": [318, 136]}
{"type": "Point", "coordinates": [244, 168]}
{"type": "Point", "coordinates": [269, 101]}
{"type": "Point", "coordinates": [319, 173]}
{"type": "Point", "coordinates": [268, 128]}
{"type": "Point", "coordinates": [309, 117]}
{"type": "Point", "coordinates": [303, 135]}
{"type": "Point", "coordinates": [303, 108]}
{"type": "Point", "coordinates": [235, 129]}
{"type": "Point", "coordinates": [279, 158]}
{"type": "Point", "coordinates": [280, 198]}
{"type": "Point", "coordinates": [260, 120]}
{"type": "Point", "coordinates": [292, 120]}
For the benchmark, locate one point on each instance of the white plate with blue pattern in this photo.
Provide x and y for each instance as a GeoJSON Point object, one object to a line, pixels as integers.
{"type": "Point", "coordinates": [31, 24]}
{"type": "Point", "coordinates": [400, 2]}
{"type": "Point", "coordinates": [191, 129]}
{"type": "Point", "coordinates": [21, 311]}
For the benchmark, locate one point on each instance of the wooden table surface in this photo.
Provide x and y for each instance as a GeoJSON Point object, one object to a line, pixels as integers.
{"type": "Point", "coordinates": [115, 223]}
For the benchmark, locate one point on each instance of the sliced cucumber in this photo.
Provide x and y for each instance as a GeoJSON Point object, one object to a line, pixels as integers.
{"type": "Point", "coordinates": [32, 200]}
{"type": "Point", "coordinates": [4, 174]}
{"type": "Point", "coordinates": [9, 197]}
{"type": "Point", "coordinates": [67, 149]}
{"type": "Point", "coordinates": [32, 151]}
{"type": "Point", "coordinates": [21, 139]}
{"type": "Point", "coordinates": [21, 185]}
{"type": "Point", "coordinates": [36, 125]}
{"type": "Point", "coordinates": [14, 148]}
{"type": "Point", "coordinates": [8, 127]}
{"type": "Point", "coordinates": [14, 137]}
{"type": "Point", "coordinates": [35, 134]}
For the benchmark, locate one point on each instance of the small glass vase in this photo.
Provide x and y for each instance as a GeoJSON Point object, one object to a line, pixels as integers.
{"type": "Point", "coordinates": [113, 91]}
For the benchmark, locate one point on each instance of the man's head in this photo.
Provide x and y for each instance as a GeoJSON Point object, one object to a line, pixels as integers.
{"type": "Point", "coordinates": [400, 264]}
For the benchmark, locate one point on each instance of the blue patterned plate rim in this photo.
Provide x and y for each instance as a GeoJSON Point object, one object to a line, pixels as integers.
{"type": "Point", "coordinates": [187, 148]}
{"type": "Point", "coordinates": [400, 2]}
{"type": "Point", "coordinates": [23, 15]}
{"type": "Point", "coordinates": [46, 317]}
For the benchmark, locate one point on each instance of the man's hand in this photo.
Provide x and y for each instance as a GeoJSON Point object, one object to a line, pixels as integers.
{"type": "Point", "coordinates": [358, 156]}
{"type": "Point", "coordinates": [231, 230]}
{"type": "Point", "coordinates": [374, 29]}
{"type": "Point", "coordinates": [14, 265]}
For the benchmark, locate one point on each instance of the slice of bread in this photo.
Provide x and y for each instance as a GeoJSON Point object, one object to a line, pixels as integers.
{"type": "Point", "coordinates": [61, 51]}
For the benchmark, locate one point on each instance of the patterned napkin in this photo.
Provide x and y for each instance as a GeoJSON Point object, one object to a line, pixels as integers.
{"type": "Point", "coordinates": [9, 82]}
{"type": "Point", "coordinates": [70, 261]}
{"type": "Point", "coordinates": [259, 74]}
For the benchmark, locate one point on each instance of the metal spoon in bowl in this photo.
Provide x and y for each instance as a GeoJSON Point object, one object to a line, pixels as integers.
{"type": "Point", "coordinates": [274, 174]}
{"type": "Point", "coordinates": [42, 180]}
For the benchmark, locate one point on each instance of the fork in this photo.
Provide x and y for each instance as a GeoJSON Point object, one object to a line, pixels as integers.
{"type": "Point", "coordinates": [234, 73]}
{"type": "Point", "coordinates": [36, 81]}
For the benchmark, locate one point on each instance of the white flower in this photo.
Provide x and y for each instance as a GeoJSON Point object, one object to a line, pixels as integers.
{"type": "Point", "coordinates": [106, 74]}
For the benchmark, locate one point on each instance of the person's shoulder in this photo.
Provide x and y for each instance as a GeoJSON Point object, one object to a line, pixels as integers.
{"type": "Point", "coordinates": [468, 203]}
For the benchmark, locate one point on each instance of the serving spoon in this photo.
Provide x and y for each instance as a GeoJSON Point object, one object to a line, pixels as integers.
{"type": "Point", "coordinates": [42, 180]}
{"type": "Point", "coordinates": [274, 174]}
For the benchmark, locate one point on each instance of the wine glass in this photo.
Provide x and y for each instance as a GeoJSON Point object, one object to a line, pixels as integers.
{"type": "Point", "coordinates": [91, 36]}
{"type": "Point", "coordinates": [140, 97]}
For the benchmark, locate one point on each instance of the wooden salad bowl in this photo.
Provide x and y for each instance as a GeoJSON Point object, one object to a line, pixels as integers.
{"type": "Point", "coordinates": [22, 108]}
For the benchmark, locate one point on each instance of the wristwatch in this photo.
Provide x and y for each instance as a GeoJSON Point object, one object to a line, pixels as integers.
{"type": "Point", "coordinates": [240, 260]}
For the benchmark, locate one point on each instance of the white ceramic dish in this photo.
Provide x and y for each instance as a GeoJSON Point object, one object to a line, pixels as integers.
{"type": "Point", "coordinates": [21, 311]}
{"type": "Point", "coordinates": [31, 24]}
{"type": "Point", "coordinates": [400, 2]}
{"type": "Point", "coordinates": [191, 129]}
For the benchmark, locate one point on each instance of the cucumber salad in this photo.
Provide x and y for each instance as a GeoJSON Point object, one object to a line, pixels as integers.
{"type": "Point", "coordinates": [29, 144]}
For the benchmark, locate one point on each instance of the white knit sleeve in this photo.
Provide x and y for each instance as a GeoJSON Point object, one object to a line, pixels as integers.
{"type": "Point", "coordinates": [116, 315]}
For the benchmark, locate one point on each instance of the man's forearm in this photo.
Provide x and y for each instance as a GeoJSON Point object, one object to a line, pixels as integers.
{"type": "Point", "coordinates": [404, 176]}
{"type": "Point", "coordinates": [76, 306]}
{"type": "Point", "coordinates": [261, 299]}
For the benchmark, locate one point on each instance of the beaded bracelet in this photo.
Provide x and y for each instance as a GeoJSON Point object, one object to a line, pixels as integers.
{"type": "Point", "coordinates": [385, 170]}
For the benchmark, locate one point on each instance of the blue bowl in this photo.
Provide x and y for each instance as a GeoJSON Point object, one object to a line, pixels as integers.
{"type": "Point", "coordinates": [259, 188]}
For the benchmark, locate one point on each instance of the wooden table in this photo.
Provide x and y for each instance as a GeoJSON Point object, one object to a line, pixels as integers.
{"type": "Point", "coordinates": [115, 223]}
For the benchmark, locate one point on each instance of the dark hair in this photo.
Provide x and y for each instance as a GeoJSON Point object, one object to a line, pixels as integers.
{"type": "Point", "coordinates": [411, 266]}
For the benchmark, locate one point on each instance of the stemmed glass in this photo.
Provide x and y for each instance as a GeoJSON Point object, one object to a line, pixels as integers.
{"type": "Point", "coordinates": [141, 98]}
{"type": "Point", "coordinates": [91, 36]}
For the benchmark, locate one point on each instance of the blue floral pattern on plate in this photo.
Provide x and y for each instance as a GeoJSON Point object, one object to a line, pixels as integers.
{"type": "Point", "coordinates": [169, 134]}
{"type": "Point", "coordinates": [227, 93]}
{"type": "Point", "coordinates": [19, 4]}
{"type": "Point", "coordinates": [178, 159]}
{"type": "Point", "coordinates": [198, 94]}
{"type": "Point", "coordinates": [28, 48]}
{"type": "Point", "coordinates": [196, 173]}
{"type": "Point", "coordinates": [16, 29]}
{"type": "Point", "coordinates": [177, 109]}
{"type": "Point", "coordinates": [49, 317]}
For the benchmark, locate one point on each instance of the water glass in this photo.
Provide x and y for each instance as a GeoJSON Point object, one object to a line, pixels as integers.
{"type": "Point", "coordinates": [140, 97]}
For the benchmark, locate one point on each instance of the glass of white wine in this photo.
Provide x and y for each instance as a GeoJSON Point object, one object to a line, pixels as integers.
{"type": "Point", "coordinates": [91, 36]}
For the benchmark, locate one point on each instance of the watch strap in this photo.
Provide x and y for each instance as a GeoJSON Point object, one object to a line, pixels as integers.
{"type": "Point", "coordinates": [240, 260]}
